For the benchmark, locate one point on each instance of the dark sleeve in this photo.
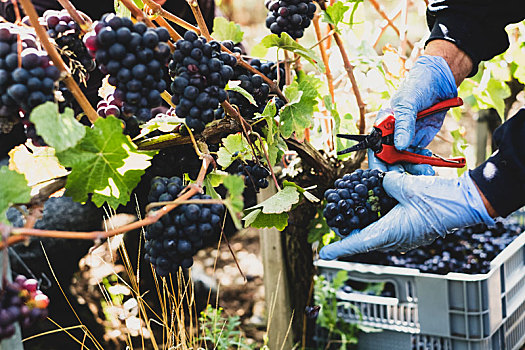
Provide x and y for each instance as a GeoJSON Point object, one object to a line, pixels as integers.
{"type": "Point", "coordinates": [502, 177]}
{"type": "Point", "coordinates": [475, 26]}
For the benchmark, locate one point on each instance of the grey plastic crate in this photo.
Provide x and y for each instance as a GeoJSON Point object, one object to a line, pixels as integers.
{"type": "Point", "coordinates": [455, 311]}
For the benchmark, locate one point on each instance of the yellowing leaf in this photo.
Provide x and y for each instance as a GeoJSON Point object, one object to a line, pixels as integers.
{"type": "Point", "coordinates": [38, 164]}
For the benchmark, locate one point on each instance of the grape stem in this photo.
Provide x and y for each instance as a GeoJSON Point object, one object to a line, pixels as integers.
{"type": "Point", "coordinates": [20, 234]}
{"type": "Point", "coordinates": [59, 63]}
{"type": "Point", "coordinates": [157, 10]}
{"type": "Point", "coordinates": [137, 13]}
{"type": "Point", "coordinates": [163, 23]}
{"type": "Point", "coordinates": [328, 124]}
{"type": "Point", "coordinates": [267, 160]}
{"type": "Point", "coordinates": [83, 22]}
{"type": "Point", "coordinates": [350, 72]}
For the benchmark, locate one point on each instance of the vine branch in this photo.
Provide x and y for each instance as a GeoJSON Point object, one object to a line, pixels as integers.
{"type": "Point", "coordinates": [84, 24]}
{"type": "Point", "coordinates": [30, 11]}
{"type": "Point", "coordinates": [350, 72]}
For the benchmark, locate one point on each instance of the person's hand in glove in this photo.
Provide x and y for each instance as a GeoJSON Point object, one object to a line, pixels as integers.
{"type": "Point", "coordinates": [428, 207]}
{"type": "Point", "coordinates": [430, 81]}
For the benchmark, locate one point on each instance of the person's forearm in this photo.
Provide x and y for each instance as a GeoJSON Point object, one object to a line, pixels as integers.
{"type": "Point", "coordinates": [490, 210]}
{"type": "Point", "coordinates": [459, 62]}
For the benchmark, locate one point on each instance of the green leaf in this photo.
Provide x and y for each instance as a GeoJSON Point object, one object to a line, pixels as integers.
{"type": "Point", "coordinates": [286, 42]}
{"type": "Point", "coordinates": [226, 30]}
{"type": "Point", "coordinates": [235, 186]}
{"type": "Point", "coordinates": [309, 196]}
{"type": "Point", "coordinates": [60, 131]}
{"type": "Point", "coordinates": [276, 145]}
{"type": "Point", "coordinates": [13, 189]}
{"type": "Point", "coordinates": [241, 91]}
{"type": "Point", "coordinates": [335, 13]}
{"type": "Point", "coordinates": [280, 202]}
{"type": "Point", "coordinates": [259, 50]}
{"type": "Point", "coordinates": [164, 123]}
{"type": "Point", "coordinates": [233, 146]}
{"type": "Point", "coordinates": [339, 279]}
{"type": "Point", "coordinates": [498, 91]}
{"type": "Point", "coordinates": [258, 219]}
{"type": "Point", "coordinates": [458, 147]}
{"type": "Point", "coordinates": [297, 114]}
{"type": "Point", "coordinates": [104, 163]}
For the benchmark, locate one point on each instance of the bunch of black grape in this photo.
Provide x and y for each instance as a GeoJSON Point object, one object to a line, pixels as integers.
{"type": "Point", "coordinates": [172, 241]}
{"type": "Point", "coordinates": [135, 57]}
{"type": "Point", "coordinates": [201, 72]}
{"type": "Point", "coordinates": [68, 36]}
{"type": "Point", "coordinates": [21, 301]}
{"type": "Point", "coordinates": [289, 16]}
{"type": "Point", "coordinates": [27, 78]}
{"type": "Point", "coordinates": [255, 174]}
{"type": "Point", "coordinates": [255, 86]}
{"type": "Point", "coordinates": [177, 161]}
{"type": "Point", "coordinates": [357, 200]}
{"type": "Point", "coordinates": [467, 250]}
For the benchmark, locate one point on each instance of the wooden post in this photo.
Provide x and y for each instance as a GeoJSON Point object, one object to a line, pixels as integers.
{"type": "Point", "coordinates": [278, 305]}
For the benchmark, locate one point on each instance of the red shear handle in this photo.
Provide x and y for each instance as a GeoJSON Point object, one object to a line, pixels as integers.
{"type": "Point", "coordinates": [452, 102]}
{"type": "Point", "coordinates": [389, 154]}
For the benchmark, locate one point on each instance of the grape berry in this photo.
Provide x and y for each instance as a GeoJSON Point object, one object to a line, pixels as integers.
{"type": "Point", "coordinates": [21, 301]}
{"type": "Point", "coordinates": [172, 241]}
{"type": "Point", "coordinates": [357, 200]}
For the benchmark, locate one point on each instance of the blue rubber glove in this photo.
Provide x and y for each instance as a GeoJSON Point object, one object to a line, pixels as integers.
{"type": "Point", "coordinates": [429, 207]}
{"type": "Point", "coordinates": [428, 82]}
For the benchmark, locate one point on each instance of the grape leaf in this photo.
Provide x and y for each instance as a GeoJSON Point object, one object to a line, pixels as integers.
{"type": "Point", "coordinates": [286, 42]}
{"type": "Point", "coordinates": [234, 146]}
{"type": "Point", "coordinates": [309, 196]}
{"type": "Point", "coordinates": [13, 189]}
{"type": "Point", "coordinates": [275, 143]}
{"type": "Point", "coordinates": [235, 186]}
{"type": "Point", "coordinates": [38, 164]}
{"type": "Point", "coordinates": [335, 13]}
{"type": "Point", "coordinates": [105, 163]}
{"type": "Point", "coordinates": [60, 131]}
{"type": "Point", "coordinates": [297, 114]}
{"type": "Point", "coordinates": [226, 30]}
{"type": "Point", "coordinates": [162, 122]}
{"type": "Point", "coordinates": [258, 219]}
{"type": "Point", "coordinates": [280, 202]}
{"type": "Point", "coordinates": [240, 90]}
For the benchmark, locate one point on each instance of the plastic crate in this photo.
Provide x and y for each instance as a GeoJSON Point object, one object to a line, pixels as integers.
{"type": "Point", "coordinates": [440, 312]}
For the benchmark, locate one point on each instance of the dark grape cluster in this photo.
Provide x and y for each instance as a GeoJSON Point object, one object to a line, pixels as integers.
{"type": "Point", "coordinates": [27, 77]}
{"type": "Point", "coordinates": [176, 161]}
{"type": "Point", "coordinates": [200, 71]}
{"type": "Point", "coordinates": [289, 16]}
{"type": "Point", "coordinates": [68, 36]}
{"type": "Point", "coordinates": [467, 250]}
{"type": "Point", "coordinates": [357, 200]}
{"type": "Point", "coordinates": [255, 174]}
{"type": "Point", "coordinates": [135, 57]}
{"type": "Point", "coordinates": [21, 301]}
{"type": "Point", "coordinates": [172, 241]}
{"type": "Point", "coordinates": [254, 85]}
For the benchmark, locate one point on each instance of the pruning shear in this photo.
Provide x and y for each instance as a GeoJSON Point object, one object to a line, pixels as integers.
{"type": "Point", "coordinates": [381, 141]}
